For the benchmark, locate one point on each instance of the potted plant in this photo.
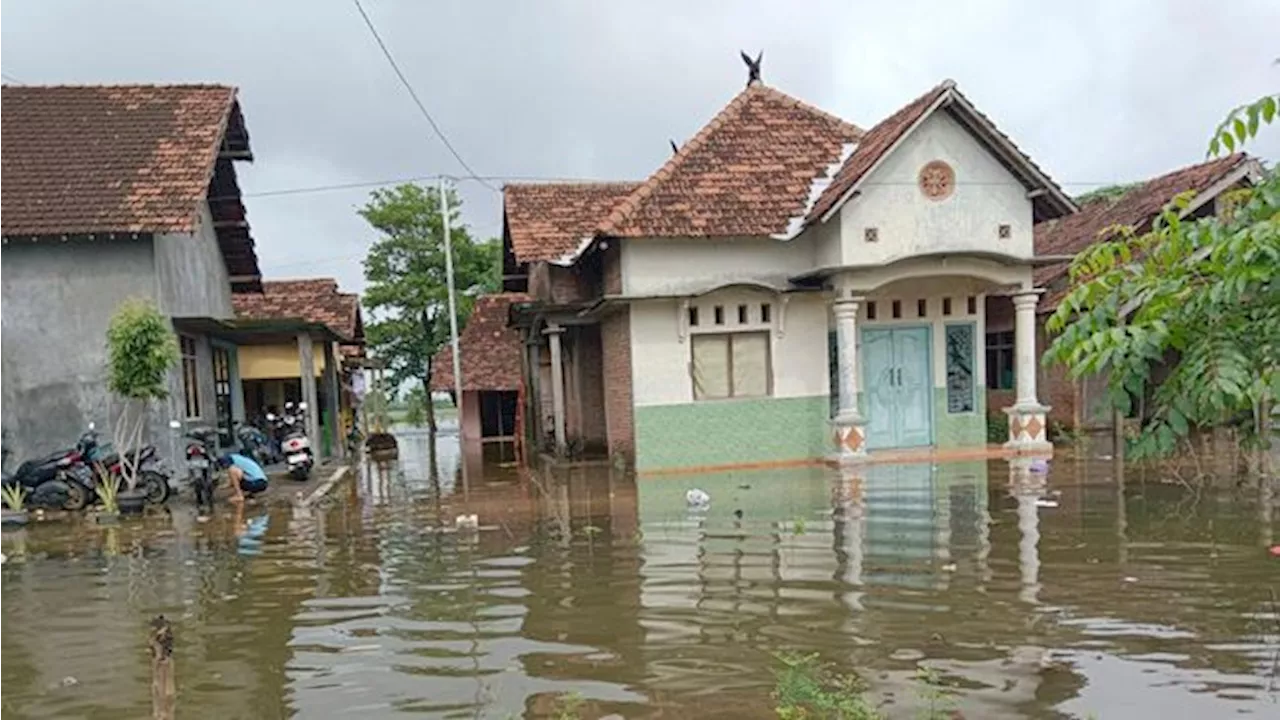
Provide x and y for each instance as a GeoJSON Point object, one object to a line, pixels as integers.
{"type": "Point", "coordinates": [108, 490]}
{"type": "Point", "coordinates": [15, 500]}
{"type": "Point", "coordinates": [141, 349]}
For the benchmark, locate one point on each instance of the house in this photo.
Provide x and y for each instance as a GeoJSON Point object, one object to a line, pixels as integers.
{"type": "Point", "coordinates": [788, 286]}
{"type": "Point", "coordinates": [1081, 404]}
{"type": "Point", "coordinates": [111, 193]}
{"type": "Point", "coordinates": [269, 364]}
{"type": "Point", "coordinates": [490, 353]}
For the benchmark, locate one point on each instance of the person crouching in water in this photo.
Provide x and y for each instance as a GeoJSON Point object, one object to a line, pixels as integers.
{"type": "Point", "coordinates": [246, 475]}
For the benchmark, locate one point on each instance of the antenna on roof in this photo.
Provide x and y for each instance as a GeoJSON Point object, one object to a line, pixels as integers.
{"type": "Point", "coordinates": [674, 147]}
{"type": "Point", "coordinates": [753, 67]}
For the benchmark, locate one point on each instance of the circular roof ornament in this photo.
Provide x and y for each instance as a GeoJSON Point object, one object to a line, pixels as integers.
{"type": "Point", "coordinates": [937, 180]}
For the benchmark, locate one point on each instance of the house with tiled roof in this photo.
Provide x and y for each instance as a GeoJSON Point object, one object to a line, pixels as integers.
{"type": "Point", "coordinates": [789, 286]}
{"type": "Point", "coordinates": [111, 193]}
{"type": "Point", "coordinates": [1081, 403]}
{"type": "Point", "coordinates": [489, 352]}
{"type": "Point", "coordinates": [269, 365]}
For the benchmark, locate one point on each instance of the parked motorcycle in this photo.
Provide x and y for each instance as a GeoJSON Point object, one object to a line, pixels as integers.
{"type": "Point", "coordinates": [58, 478]}
{"type": "Point", "coordinates": [296, 446]}
{"type": "Point", "coordinates": [199, 455]}
{"type": "Point", "coordinates": [255, 444]}
{"type": "Point", "coordinates": [151, 476]}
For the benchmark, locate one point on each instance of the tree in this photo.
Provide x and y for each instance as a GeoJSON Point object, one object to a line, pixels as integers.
{"type": "Point", "coordinates": [141, 348]}
{"type": "Point", "coordinates": [416, 402]}
{"type": "Point", "coordinates": [407, 293]}
{"type": "Point", "coordinates": [1203, 293]}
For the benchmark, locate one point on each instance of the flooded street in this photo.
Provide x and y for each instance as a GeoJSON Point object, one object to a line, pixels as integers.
{"type": "Point", "coordinates": [1075, 597]}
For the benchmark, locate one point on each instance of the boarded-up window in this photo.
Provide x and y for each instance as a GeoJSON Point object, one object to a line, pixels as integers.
{"type": "Point", "coordinates": [960, 391]}
{"type": "Point", "coordinates": [190, 376]}
{"type": "Point", "coordinates": [730, 365]}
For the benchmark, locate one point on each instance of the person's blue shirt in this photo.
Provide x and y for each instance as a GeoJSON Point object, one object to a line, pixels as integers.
{"type": "Point", "coordinates": [252, 470]}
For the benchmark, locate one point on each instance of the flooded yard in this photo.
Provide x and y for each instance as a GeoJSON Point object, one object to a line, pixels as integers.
{"type": "Point", "coordinates": [1078, 595]}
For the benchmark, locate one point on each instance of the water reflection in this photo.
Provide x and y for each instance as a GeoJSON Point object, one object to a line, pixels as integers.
{"type": "Point", "coordinates": [1071, 592]}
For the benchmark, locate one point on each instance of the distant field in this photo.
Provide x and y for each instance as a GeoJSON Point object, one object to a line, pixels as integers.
{"type": "Point", "coordinates": [444, 411]}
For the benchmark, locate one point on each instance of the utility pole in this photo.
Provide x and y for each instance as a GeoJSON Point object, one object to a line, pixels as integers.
{"type": "Point", "coordinates": [453, 303]}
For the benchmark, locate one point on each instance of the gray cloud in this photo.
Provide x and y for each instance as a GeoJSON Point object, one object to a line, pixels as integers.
{"type": "Point", "coordinates": [1096, 92]}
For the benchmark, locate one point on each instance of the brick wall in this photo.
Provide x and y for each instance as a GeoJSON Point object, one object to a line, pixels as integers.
{"type": "Point", "coordinates": [587, 353]}
{"type": "Point", "coordinates": [613, 268]}
{"type": "Point", "coordinates": [615, 337]}
{"type": "Point", "coordinates": [567, 285]}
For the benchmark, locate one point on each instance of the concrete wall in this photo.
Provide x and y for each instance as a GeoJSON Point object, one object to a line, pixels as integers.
{"type": "Point", "coordinates": [660, 266]}
{"type": "Point", "coordinates": [908, 223]}
{"type": "Point", "coordinates": [58, 299]}
{"type": "Point", "coordinates": [798, 326]}
{"type": "Point", "coordinates": [191, 275]}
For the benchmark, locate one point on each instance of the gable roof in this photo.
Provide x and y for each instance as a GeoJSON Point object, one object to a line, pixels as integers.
{"type": "Point", "coordinates": [1137, 206]}
{"type": "Point", "coordinates": [880, 140]}
{"type": "Point", "coordinates": [750, 171]}
{"type": "Point", "coordinates": [126, 158]}
{"type": "Point", "coordinates": [550, 221]}
{"type": "Point", "coordinates": [490, 349]}
{"type": "Point", "coordinates": [314, 300]}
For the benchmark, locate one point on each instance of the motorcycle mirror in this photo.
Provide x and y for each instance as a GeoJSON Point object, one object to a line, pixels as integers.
{"type": "Point", "coordinates": [175, 424]}
{"type": "Point", "coordinates": [271, 416]}
{"type": "Point", "coordinates": [302, 406]}
{"type": "Point", "coordinates": [92, 425]}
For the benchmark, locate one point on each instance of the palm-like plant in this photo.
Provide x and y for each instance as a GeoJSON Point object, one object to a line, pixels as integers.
{"type": "Point", "coordinates": [15, 496]}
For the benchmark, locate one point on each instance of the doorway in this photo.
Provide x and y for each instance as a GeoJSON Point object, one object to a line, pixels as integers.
{"type": "Point", "coordinates": [898, 386]}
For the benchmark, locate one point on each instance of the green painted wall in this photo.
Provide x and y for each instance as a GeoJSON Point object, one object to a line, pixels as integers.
{"type": "Point", "coordinates": [727, 432]}
{"type": "Point", "coordinates": [959, 430]}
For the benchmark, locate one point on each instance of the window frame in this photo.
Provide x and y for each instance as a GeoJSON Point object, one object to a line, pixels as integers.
{"type": "Point", "coordinates": [973, 366]}
{"type": "Point", "coordinates": [728, 339]}
{"type": "Point", "coordinates": [993, 345]}
{"type": "Point", "coordinates": [190, 364]}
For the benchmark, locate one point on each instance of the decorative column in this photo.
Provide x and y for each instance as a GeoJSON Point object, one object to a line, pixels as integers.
{"type": "Point", "coordinates": [553, 333]}
{"type": "Point", "coordinates": [307, 378]}
{"type": "Point", "coordinates": [850, 427]}
{"type": "Point", "coordinates": [333, 402]}
{"type": "Point", "coordinates": [1027, 485]}
{"type": "Point", "coordinates": [1027, 424]}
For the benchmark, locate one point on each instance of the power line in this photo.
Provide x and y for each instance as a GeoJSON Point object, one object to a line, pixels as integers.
{"type": "Point", "coordinates": [301, 190]}
{"type": "Point", "coordinates": [416, 101]}
{"type": "Point", "coordinates": [12, 79]}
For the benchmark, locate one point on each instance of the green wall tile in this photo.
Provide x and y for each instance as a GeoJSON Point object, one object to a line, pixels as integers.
{"type": "Point", "coordinates": [961, 429]}
{"type": "Point", "coordinates": [727, 432]}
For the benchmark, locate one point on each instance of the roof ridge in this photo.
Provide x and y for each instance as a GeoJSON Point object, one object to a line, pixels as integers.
{"type": "Point", "coordinates": [574, 184]}
{"type": "Point", "coordinates": [631, 203]}
{"type": "Point", "coordinates": [121, 86]}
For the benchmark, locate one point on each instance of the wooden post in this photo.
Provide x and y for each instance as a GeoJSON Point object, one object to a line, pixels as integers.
{"type": "Point", "coordinates": [163, 690]}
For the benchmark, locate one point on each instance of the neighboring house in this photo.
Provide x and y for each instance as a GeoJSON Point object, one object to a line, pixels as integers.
{"type": "Point", "coordinates": [270, 365]}
{"type": "Point", "coordinates": [1082, 404]}
{"type": "Point", "coordinates": [111, 193]}
{"type": "Point", "coordinates": [707, 315]}
{"type": "Point", "coordinates": [491, 377]}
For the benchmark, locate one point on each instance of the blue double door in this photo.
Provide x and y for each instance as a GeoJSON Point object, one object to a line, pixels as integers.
{"type": "Point", "coordinates": [897, 387]}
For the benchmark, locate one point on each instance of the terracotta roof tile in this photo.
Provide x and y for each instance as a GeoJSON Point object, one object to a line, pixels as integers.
{"type": "Point", "coordinates": [313, 300]}
{"type": "Point", "coordinates": [550, 221]}
{"type": "Point", "coordinates": [490, 349]}
{"type": "Point", "coordinates": [750, 171]}
{"type": "Point", "coordinates": [1138, 206]}
{"type": "Point", "coordinates": [97, 159]}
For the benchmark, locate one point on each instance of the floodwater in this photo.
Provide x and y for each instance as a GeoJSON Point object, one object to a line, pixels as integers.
{"type": "Point", "coordinates": [1075, 596]}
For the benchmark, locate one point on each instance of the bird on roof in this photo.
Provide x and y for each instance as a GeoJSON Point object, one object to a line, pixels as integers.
{"type": "Point", "coordinates": [674, 147]}
{"type": "Point", "coordinates": [753, 66]}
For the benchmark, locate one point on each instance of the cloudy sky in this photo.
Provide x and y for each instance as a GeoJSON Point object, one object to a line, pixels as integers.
{"type": "Point", "coordinates": [1095, 92]}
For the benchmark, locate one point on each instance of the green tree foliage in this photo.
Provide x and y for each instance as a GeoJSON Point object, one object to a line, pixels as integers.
{"type": "Point", "coordinates": [141, 348]}
{"type": "Point", "coordinates": [1202, 294]}
{"type": "Point", "coordinates": [407, 295]}
{"type": "Point", "coordinates": [416, 402]}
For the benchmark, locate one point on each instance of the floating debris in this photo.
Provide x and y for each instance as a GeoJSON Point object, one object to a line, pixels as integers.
{"type": "Point", "coordinates": [697, 498]}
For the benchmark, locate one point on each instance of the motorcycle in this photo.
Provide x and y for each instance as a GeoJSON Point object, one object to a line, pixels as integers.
{"type": "Point", "coordinates": [255, 444]}
{"type": "Point", "coordinates": [151, 476]}
{"type": "Point", "coordinates": [58, 479]}
{"type": "Point", "coordinates": [297, 448]}
{"type": "Point", "coordinates": [199, 455]}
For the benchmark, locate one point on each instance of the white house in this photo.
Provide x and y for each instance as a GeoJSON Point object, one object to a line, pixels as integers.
{"type": "Point", "coordinates": [788, 286]}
